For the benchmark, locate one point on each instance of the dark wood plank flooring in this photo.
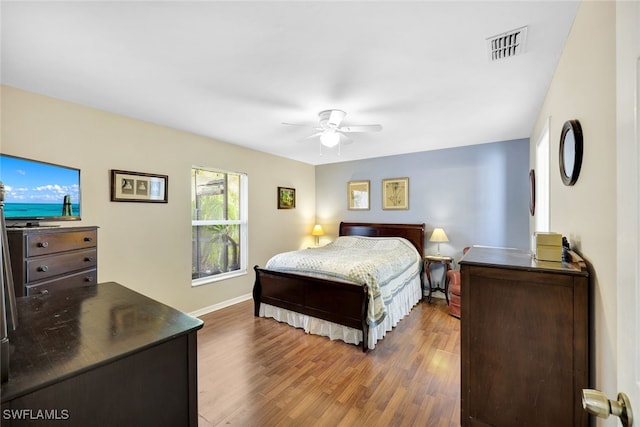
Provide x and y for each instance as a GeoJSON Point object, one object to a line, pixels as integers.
{"type": "Point", "coordinates": [258, 372]}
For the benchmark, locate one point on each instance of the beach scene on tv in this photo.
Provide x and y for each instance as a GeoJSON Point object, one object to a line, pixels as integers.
{"type": "Point", "coordinates": [39, 190]}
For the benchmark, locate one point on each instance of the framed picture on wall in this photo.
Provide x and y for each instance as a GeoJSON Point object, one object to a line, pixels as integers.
{"type": "Point", "coordinates": [358, 195]}
{"type": "Point", "coordinates": [395, 193]}
{"type": "Point", "coordinates": [129, 186]}
{"type": "Point", "coordinates": [286, 198]}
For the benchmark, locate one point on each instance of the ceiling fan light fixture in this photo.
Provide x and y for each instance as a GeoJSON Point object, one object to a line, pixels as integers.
{"type": "Point", "coordinates": [330, 131]}
{"type": "Point", "coordinates": [329, 138]}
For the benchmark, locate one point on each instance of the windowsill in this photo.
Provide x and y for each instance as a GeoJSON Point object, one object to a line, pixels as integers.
{"type": "Point", "coordinates": [217, 278]}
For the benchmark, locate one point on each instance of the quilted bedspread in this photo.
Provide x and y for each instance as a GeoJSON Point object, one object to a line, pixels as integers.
{"type": "Point", "coordinates": [385, 264]}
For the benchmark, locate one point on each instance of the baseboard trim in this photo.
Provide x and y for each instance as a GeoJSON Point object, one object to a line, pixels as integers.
{"type": "Point", "coordinates": [221, 305]}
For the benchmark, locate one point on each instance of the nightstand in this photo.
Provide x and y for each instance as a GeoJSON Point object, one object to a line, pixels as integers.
{"type": "Point", "coordinates": [438, 259]}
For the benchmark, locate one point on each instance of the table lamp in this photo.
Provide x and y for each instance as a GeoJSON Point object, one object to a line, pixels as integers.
{"type": "Point", "coordinates": [317, 231]}
{"type": "Point", "coordinates": [438, 236]}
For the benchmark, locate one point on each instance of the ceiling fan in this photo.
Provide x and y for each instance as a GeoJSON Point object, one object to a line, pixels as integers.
{"type": "Point", "coordinates": [330, 131]}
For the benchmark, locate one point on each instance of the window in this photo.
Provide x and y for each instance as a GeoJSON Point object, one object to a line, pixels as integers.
{"type": "Point", "coordinates": [219, 224]}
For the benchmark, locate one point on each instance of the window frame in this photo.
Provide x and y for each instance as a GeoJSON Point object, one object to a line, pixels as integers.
{"type": "Point", "coordinates": [542, 218]}
{"type": "Point", "coordinates": [243, 222]}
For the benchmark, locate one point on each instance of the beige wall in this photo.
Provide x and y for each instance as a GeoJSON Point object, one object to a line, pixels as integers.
{"type": "Point", "coordinates": [147, 247]}
{"type": "Point", "coordinates": [584, 88]}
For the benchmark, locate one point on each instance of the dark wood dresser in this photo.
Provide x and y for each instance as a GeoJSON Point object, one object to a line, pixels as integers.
{"type": "Point", "coordinates": [101, 356]}
{"type": "Point", "coordinates": [45, 259]}
{"type": "Point", "coordinates": [524, 339]}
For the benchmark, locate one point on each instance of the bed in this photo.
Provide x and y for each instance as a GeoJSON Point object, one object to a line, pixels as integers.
{"type": "Point", "coordinates": [339, 307]}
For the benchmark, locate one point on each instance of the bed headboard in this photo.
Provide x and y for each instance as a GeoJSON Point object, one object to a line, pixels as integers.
{"type": "Point", "coordinates": [412, 232]}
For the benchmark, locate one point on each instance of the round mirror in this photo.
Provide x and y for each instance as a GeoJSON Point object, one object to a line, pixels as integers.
{"type": "Point", "coordinates": [570, 152]}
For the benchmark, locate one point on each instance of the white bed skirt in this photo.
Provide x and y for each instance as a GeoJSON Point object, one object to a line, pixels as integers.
{"type": "Point", "coordinates": [402, 304]}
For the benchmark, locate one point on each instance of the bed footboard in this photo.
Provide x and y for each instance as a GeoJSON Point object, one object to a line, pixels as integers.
{"type": "Point", "coordinates": [343, 303]}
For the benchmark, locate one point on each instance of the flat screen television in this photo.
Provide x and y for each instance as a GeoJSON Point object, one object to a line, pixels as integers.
{"type": "Point", "coordinates": [37, 191]}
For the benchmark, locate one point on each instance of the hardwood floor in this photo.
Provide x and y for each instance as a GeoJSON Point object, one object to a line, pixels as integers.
{"type": "Point", "coordinates": [258, 372]}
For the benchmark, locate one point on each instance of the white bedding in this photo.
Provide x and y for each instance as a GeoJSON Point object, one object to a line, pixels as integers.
{"type": "Point", "coordinates": [390, 266]}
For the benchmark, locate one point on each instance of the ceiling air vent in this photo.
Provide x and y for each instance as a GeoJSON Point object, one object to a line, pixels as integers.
{"type": "Point", "coordinates": [507, 44]}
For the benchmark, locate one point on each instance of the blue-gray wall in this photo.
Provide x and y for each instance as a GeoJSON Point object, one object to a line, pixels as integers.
{"type": "Point", "coordinates": [479, 194]}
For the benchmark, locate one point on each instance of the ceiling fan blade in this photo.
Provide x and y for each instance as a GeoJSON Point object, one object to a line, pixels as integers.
{"type": "Point", "coordinates": [303, 126]}
{"type": "Point", "coordinates": [361, 128]}
{"type": "Point", "coordinates": [315, 135]}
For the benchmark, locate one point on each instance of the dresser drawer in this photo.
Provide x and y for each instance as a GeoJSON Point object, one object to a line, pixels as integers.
{"type": "Point", "coordinates": [48, 243]}
{"type": "Point", "coordinates": [49, 266]}
{"type": "Point", "coordinates": [76, 280]}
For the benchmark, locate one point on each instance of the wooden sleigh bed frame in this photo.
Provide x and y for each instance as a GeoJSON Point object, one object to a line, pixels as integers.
{"type": "Point", "coordinates": [341, 302]}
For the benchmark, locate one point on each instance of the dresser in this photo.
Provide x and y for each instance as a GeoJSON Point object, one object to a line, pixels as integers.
{"type": "Point", "coordinates": [101, 356]}
{"type": "Point", "coordinates": [45, 259]}
{"type": "Point", "coordinates": [524, 339]}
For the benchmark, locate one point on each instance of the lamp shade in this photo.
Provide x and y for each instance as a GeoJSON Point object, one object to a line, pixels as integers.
{"type": "Point", "coordinates": [438, 235]}
{"type": "Point", "coordinates": [317, 230]}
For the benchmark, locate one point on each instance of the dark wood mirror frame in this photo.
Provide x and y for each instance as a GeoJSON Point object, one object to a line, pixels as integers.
{"type": "Point", "coordinates": [532, 192]}
{"type": "Point", "coordinates": [571, 128]}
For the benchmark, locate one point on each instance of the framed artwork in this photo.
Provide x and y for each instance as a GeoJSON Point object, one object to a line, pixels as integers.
{"type": "Point", "coordinates": [286, 198]}
{"type": "Point", "coordinates": [395, 193]}
{"type": "Point", "coordinates": [358, 195]}
{"type": "Point", "coordinates": [129, 186]}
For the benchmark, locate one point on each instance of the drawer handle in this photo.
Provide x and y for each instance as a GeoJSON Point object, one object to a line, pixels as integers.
{"type": "Point", "coordinates": [43, 268]}
{"type": "Point", "coordinates": [89, 259]}
{"type": "Point", "coordinates": [88, 239]}
{"type": "Point", "coordinates": [88, 279]}
{"type": "Point", "coordinates": [43, 244]}
{"type": "Point", "coordinates": [44, 291]}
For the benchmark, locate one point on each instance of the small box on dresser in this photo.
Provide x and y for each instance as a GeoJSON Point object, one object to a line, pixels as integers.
{"type": "Point", "coordinates": [46, 259]}
{"type": "Point", "coordinates": [548, 246]}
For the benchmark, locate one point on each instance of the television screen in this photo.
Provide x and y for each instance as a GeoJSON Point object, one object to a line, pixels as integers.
{"type": "Point", "coordinates": [39, 191]}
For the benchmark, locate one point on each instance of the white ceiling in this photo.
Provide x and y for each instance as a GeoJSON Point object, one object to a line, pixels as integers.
{"type": "Point", "coordinates": [235, 70]}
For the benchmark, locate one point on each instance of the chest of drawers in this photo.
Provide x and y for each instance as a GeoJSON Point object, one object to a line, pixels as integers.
{"type": "Point", "coordinates": [48, 259]}
{"type": "Point", "coordinates": [524, 339]}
